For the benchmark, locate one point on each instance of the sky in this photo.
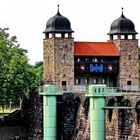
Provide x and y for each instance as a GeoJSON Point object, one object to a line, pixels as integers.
{"type": "Point", "coordinates": [90, 19]}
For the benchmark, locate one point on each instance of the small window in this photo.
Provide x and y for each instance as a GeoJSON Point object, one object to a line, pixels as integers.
{"type": "Point", "coordinates": [77, 81]}
{"type": "Point", "coordinates": [87, 59]}
{"type": "Point", "coordinates": [129, 83]}
{"type": "Point", "coordinates": [58, 35]}
{"type": "Point", "coordinates": [64, 56]}
{"type": "Point", "coordinates": [66, 35]}
{"type": "Point", "coordinates": [115, 37]}
{"type": "Point", "coordinates": [129, 36]}
{"type": "Point", "coordinates": [78, 60]}
{"type": "Point", "coordinates": [129, 57]}
{"type": "Point", "coordinates": [86, 80]}
{"type": "Point", "coordinates": [64, 85]}
{"type": "Point", "coordinates": [94, 81]}
{"type": "Point", "coordinates": [103, 81]}
{"type": "Point", "coordinates": [122, 37]}
{"type": "Point", "coordinates": [95, 59]}
{"type": "Point", "coordinates": [50, 35]}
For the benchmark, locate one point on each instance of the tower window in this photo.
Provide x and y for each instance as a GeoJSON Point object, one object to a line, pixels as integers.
{"type": "Point", "coordinates": [129, 83]}
{"type": "Point", "coordinates": [64, 56]}
{"type": "Point", "coordinates": [66, 48]}
{"type": "Point", "coordinates": [50, 35]}
{"type": "Point", "coordinates": [122, 37]}
{"type": "Point", "coordinates": [129, 36]}
{"type": "Point", "coordinates": [58, 35]}
{"type": "Point", "coordinates": [115, 37]}
{"type": "Point", "coordinates": [129, 57]}
{"type": "Point", "coordinates": [64, 85]}
{"type": "Point", "coordinates": [66, 35]}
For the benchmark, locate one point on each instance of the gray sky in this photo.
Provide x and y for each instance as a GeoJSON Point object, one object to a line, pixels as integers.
{"type": "Point", "coordinates": [90, 19]}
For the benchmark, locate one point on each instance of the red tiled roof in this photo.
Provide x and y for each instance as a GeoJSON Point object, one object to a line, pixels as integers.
{"type": "Point", "coordinates": [95, 49]}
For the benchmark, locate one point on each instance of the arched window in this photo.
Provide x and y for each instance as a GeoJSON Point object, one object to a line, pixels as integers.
{"type": "Point", "coordinates": [125, 121]}
{"type": "Point", "coordinates": [138, 112]}
{"type": "Point", "coordinates": [85, 104]}
{"type": "Point", "coordinates": [111, 103]}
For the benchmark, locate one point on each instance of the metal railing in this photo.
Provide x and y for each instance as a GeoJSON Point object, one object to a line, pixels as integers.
{"type": "Point", "coordinates": [84, 89]}
{"type": "Point", "coordinates": [129, 88]}
{"type": "Point", "coordinates": [111, 89]}
{"type": "Point", "coordinates": [74, 88]}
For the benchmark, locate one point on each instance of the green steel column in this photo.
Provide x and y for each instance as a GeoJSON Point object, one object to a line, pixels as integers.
{"type": "Point", "coordinates": [97, 113]}
{"type": "Point", "coordinates": [97, 94]}
{"type": "Point", "coordinates": [49, 115]}
{"type": "Point", "coordinates": [50, 112]}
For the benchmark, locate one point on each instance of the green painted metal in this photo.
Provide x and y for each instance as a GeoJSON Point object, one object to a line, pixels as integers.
{"type": "Point", "coordinates": [97, 95]}
{"type": "Point", "coordinates": [118, 107]}
{"type": "Point", "coordinates": [50, 112]}
{"type": "Point", "coordinates": [97, 113]}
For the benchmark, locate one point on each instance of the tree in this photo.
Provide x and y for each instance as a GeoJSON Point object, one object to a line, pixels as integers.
{"type": "Point", "coordinates": [36, 74]}
{"type": "Point", "coordinates": [17, 77]}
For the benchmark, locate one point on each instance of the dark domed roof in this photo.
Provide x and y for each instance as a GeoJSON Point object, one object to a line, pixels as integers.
{"type": "Point", "coordinates": [58, 24]}
{"type": "Point", "coordinates": [123, 26]}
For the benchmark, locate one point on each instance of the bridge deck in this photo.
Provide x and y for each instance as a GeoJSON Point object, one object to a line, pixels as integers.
{"type": "Point", "coordinates": [126, 90]}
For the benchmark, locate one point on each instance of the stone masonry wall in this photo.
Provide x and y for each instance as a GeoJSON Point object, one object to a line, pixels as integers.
{"type": "Point", "coordinates": [59, 61]}
{"type": "Point", "coordinates": [12, 132]}
{"type": "Point", "coordinates": [73, 118]}
{"type": "Point", "coordinates": [128, 69]}
{"type": "Point", "coordinates": [124, 123]}
{"type": "Point", "coordinates": [33, 116]}
{"type": "Point", "coordinates": [48, 54]}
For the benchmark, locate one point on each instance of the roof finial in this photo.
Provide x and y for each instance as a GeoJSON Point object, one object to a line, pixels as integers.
{"type": "Point", "coordinates": [58, 13]}
{"type": "Point", "coordinates": [122, 13]}
{"type": "Point", "coordinates": [122, 10]}
{"type": "Point", "coordinates": [58, 7]}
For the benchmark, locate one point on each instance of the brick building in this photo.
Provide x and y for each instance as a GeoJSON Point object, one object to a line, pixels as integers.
{"type": "Point", "coordinates": [68, 63]}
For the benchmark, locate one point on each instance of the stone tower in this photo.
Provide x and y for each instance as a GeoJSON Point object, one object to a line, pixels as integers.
{"type": "Point", "coordinates": [123, 34]}
{"type": "Point", "coordinates": [58, 52]}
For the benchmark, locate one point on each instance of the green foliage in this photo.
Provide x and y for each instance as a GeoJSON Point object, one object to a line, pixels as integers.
{"type": "Point", "coordinates": [17, 77]}
{"type": "Point", "coordinates": [36, 74]}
